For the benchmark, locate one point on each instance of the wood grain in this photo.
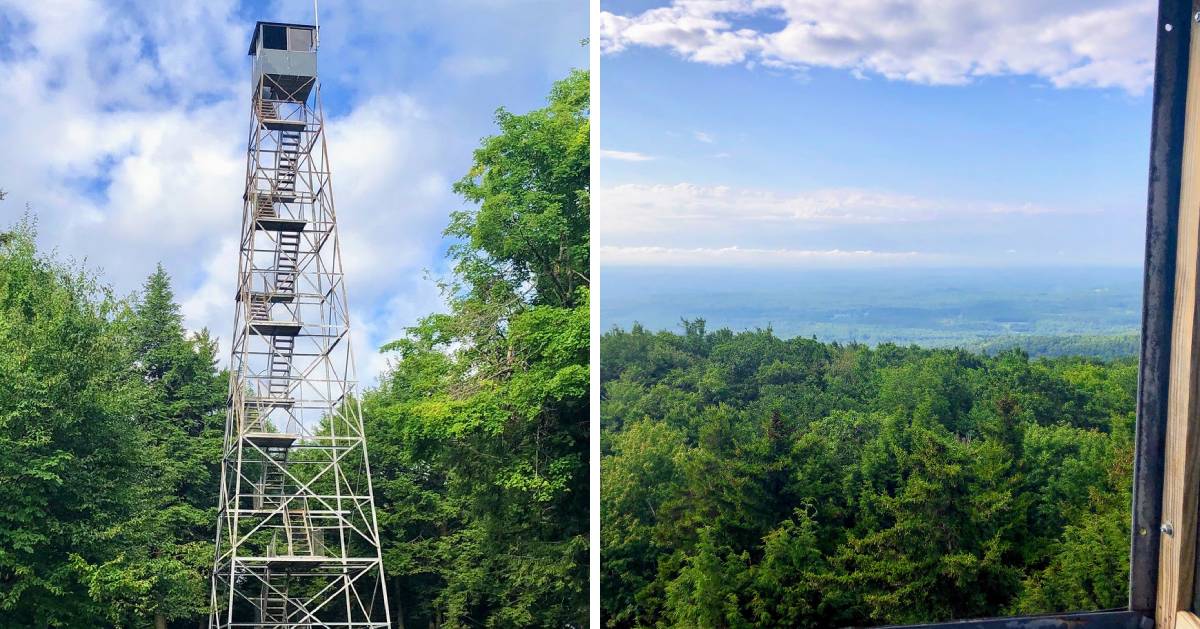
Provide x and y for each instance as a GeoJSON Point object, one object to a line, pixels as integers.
{"type": "Point", "coordinates": [1187, 620]}
{"type": "Point", "coordinates": [1181, 475]}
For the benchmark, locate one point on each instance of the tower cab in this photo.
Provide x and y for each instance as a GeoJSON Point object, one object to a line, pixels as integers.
{"type": "Point", "coordinates": [285, 61]}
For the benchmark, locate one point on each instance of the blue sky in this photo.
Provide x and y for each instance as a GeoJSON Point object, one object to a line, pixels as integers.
{"type": "Point", "coordinates": [125, 126]}
{"type": "Point", "coordinates": [816, 133]}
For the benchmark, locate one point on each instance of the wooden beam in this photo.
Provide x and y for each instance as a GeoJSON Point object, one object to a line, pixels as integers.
{"type": "Point", "coordinates": [1187, 620]}
{"type": "Point", "coordinates": [1181, 474]}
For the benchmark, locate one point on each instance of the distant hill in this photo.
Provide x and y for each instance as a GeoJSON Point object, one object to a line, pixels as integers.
{"type": "Point", "coordinates": [1105, 347]}
{"type": "Point", "coordinates": [1047, 312]}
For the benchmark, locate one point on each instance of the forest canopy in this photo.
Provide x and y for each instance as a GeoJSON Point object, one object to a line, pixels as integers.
{"type": "Point", "coordinates": [750, 480]}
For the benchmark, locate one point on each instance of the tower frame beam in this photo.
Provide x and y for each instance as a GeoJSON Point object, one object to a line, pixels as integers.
{"type": "Point", "coordinates": [297, 542]}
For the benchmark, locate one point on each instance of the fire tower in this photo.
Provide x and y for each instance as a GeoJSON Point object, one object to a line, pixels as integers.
{"type": "Point", "coordinates": [297, 541]}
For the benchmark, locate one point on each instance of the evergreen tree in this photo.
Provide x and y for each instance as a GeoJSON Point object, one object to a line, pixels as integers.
{"type": "Point", "coordinates": [163, 572]}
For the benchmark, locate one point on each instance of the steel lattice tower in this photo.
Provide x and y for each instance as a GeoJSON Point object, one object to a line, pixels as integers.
{"type": "Point", "coordinates": [297, 541]}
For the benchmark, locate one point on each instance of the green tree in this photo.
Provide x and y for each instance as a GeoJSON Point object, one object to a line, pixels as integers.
{"type": "Point", "coordinates": [71, 474]}
{"type": "Point", "coordinates": [109, 421]}
{"type": "Point", "coordinates": [182, 414]}
{"type": "Point", "coordinates": [483, 496]}
{"type": "Point", "coordinates": [531, 226]}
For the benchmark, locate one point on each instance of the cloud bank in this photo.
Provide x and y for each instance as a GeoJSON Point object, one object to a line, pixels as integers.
{"type": "Point", "coordinates": [1068, 43]}
{"type": "Point", "coordinates": [684, 208]}
{"type": "Point", "coordinates": [738, 257]}
{"type": "Point", "coordinates": [625, 156]}
{"type": "Point", "coordinates": [687, 224]}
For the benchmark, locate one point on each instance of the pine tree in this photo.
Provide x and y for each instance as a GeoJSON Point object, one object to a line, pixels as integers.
{"type": "Point", "coordinates": [162, 573]}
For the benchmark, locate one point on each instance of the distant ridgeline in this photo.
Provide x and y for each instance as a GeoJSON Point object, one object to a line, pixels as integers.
{"type": "Point", "coordinates": [751, 480]}
{"type": "Point", "coordinates": [1047, 312]}
{"type": "Point", "coordinates": [1050, 346]}
{"type": "Point", "coordinates": [1102, 346]}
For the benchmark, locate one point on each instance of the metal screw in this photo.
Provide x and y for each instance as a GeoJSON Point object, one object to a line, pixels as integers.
{"type": "Point", "coordinates": [1196, 16]}
{"type": "Point", "coordinates": [1166, 528]}
{"type": "Point", "coordinates": [1167, 27]}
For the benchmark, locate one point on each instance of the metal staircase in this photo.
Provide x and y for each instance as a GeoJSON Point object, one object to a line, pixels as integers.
{"type": "Point", "coordinates": [254, 419]}
{"type": "Point", "coordinates": [267, 111]}
{"type": "Point", "coordinates": [280, 374]}
{"type": "Point", "coordinates": [260, 308]}
{"type": "Point", "coordinates": [288, 160]}
{"type": "Point", "coordinates": [273, 603]}
{"type": "Point", "coordinates": [273, 485]}
{"type": "Point", "coordinates": [298, 532]}
{"type": "Point", "coordinates": [286, 263]}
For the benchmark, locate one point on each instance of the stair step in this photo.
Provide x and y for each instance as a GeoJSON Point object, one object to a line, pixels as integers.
{"type": "Point", "coordinates": [265, 208]}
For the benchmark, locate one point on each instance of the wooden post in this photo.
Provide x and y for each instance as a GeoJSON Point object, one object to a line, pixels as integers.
{"type": "Point", "coordinates": [1181, 473]}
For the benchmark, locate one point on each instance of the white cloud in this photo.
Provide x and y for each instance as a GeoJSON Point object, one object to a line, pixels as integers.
{"type": "Point", "coordinates": [670, 210]}
{"type": "Point", "coordinates": [734, 256]}
{"type": "Point", "coordinates": [695, 225]}
{"type": "Point", "coordinates": [392, 202]}
{"type": "Point", "coordinates": [703, 137]}
{"type": "Point", "coordinates": [413, 298]}
{"type": "Point", "coordinates": [1069, 43]}
{"type": "Point", "coordinates": [624, 156]}
{"type": "Point", "coordinates": [126, 156]}
{"type": "Point", "coordinates": [474, 66]}
{"type": "Point", "coordinates": [208, 304]}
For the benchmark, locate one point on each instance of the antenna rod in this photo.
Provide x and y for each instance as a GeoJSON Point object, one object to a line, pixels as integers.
{"type": "Point", "coordinates": [316, 27]}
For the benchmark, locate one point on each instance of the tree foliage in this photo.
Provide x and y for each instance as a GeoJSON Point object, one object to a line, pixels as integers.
{"type": "Point", "coordinates": [479, 432]}
{"type": "Point", "coordinates": [108, 421]}
{"type": "Point", "coordinates": [750, 480]}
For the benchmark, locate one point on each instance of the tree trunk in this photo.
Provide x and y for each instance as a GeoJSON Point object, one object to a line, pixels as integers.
{"type": "Point", "coordinates": [399, 607]}
{"type": "Point", "coordinates": [160, 621]}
